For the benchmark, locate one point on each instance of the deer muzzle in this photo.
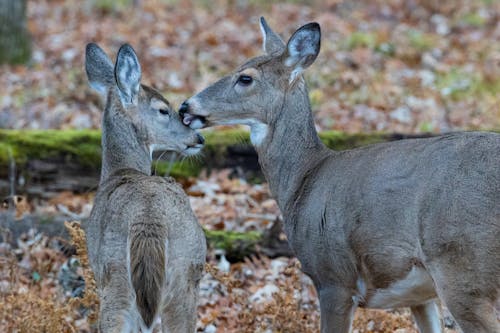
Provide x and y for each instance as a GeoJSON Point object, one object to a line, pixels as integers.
{"type": "Point", "coordinates": [191, 119]}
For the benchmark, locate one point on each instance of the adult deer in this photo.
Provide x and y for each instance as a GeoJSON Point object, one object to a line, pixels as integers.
{"type": "Point", "coordinates": [145, 245]}
{"type": "Point", "coordinates": [388, 225]}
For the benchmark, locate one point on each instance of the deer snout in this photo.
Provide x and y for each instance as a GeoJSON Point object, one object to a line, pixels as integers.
{"type": "Point", "coordinates": [201, 139]}
{"type": "Point", "coordinates": [183, 109]}
{"type": "Point", "coordinates": [190, 117]}
{"type": "Point", "coordinates": [195, 147]}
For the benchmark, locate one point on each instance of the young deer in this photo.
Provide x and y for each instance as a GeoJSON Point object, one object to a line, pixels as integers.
{"type": "Point", "coordinates": [388, 225]}
{"type": "Point", "coordinates": [145, 245]}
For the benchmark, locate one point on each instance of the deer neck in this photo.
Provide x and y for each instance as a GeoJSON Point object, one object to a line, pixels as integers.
{"type": "Point", "coordinates": [121, 146]}
{"type": "Point", "coordinates": [292, 148]}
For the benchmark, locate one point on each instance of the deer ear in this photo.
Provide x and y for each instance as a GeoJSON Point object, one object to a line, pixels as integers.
{"type": "Point", "coordinates": [99, 69]}
{"type": "Point", "coordinates": [128, 74]}
{"type": "Point", "coordinates": [303, 48]}
{"type": "Point", "coordinates": [271, 42]}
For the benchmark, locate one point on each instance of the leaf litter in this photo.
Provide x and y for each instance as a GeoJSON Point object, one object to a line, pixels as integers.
{"type": "Point", "coordinates": [43, 289]}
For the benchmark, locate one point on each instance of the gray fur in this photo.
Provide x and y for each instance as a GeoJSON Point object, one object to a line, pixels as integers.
{"type": "Point", "coordinates": [145, 245]}
{"type": "Point", "coordinates": [99, 69]}
{"type": "Point", "coordinates": [271, 42]}
{"type": "Point", "coordinates": [127, 73]}
{"type": "Point", "coordinates": [361, 221]}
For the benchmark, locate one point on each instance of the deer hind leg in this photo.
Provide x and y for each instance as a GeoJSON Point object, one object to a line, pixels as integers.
{"type": "Point", "coordinates": [113, 316]}
{"type": "Point", "coordinates": [179, 313]}
{"type": "Point", "coordinates": [337, 309]}
{"type": "Point", "coordinates": [428, 317]}
{"type": "Point", "coordinates": [115, 302]}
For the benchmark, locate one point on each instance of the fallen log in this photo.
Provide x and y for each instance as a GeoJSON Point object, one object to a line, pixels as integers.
{"type": "Point", "coordinates": [49, 161]}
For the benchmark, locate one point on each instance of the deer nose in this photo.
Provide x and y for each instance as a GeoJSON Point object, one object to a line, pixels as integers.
{"type": "Point", "coordinates": [201, 139]}
{"type": "Point", "coordinates": [183, 109]}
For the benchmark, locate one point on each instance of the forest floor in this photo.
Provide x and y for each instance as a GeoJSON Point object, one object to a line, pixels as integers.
{"type": "Point", "coordinates": [41, 285]}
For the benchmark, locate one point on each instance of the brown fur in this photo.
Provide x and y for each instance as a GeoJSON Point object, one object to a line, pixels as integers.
{"type": "Point", "coordinates": [147, 266]}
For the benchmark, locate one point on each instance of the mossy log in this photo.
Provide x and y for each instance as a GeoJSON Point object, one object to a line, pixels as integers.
{"type": "Point", "coordinates": [48, 161]}
{"type": "Point", "coordinates": [54, 160]}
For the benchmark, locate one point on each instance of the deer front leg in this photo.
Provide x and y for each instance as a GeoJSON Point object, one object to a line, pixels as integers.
{"type": "Point", "coordinates": [337, 309]}
{"type": "Point", "coordinates": [428, 317]}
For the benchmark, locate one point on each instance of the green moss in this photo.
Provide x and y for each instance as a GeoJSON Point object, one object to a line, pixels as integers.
{"type": "Point", "coordinates": [184, 169]}
{"type": "Point", "coordinates": [458, 85]}
{"type": "Point", "coordinates": [218, 141]}
{"type": "Point", "coordinates": [474, 20]}
{"type": "Point", "coordinates": [237, 245]}
{"type": "Point", "coordinates": [226, 137]}
{"type": "Point", "coordinates": [111, 5]}
{"type": "Point", "coordinates": [342, 141]}
{"type": "Point", "coordinates": [83, 146]}
{"type": "Point", "coordinates": [360, 39]}
{"type": "Point", "coordinates": [421, 41]}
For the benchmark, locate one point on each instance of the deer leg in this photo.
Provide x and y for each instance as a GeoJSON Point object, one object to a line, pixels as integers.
{"type": "Point", "coordinates": [337, 309]}
{"type": "Point", "coordinates": [472, 314]}
{"type": "Point", "coordinates": [471, 306]}
{"type": "Point", "coordinates": [179, 313]}
{"type": "Point", "coordinates": [115, 301]}
{"type": "Point", "coordinates": [180, 316]}
{"type": "Point", "coordinates": [112, 315]}
{"type": "Point", "coordinates": [428, 317]}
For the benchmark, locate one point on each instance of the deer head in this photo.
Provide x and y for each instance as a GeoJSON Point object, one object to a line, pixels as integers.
{"type": "Point", "coordinates": [254, 94]}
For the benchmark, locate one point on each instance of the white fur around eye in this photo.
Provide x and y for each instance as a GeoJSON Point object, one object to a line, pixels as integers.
{"type": "Point", "coordinates": [158, 104]}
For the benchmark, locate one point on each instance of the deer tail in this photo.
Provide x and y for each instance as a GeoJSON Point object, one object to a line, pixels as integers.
{"type": "Point", "coordinates": [147, 267]}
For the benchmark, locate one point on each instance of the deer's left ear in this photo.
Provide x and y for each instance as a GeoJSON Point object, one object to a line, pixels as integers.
{"type": "Point", "coordinates": [302, 49]}
{"type": "Point", "coordinates": [271, 42]}
{"type": "Point", "coordinates": [128, 74]}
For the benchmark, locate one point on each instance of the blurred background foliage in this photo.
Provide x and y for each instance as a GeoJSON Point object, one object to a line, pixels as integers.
{"type": "Point", "coordinates": [398, 65]}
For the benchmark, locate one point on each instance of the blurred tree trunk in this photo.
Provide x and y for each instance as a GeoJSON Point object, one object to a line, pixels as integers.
{"type": "Point", "coordinates": [15, 42]}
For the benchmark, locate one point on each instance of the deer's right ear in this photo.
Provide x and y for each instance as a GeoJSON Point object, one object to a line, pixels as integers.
{"type": "Point", "coordinates": [99, 69]}
{"type": "Point", "coordinates": [271, 42]}
{"type": "Point", "coordinates": [302, 49]}
{"type": "Point", "coordinates": [128, 74]}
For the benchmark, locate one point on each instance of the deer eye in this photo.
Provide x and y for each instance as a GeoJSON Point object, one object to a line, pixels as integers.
{"type": "Point", "coordinates": [245, 80]}
{"type": "Point", "coordinates": [163, 111]}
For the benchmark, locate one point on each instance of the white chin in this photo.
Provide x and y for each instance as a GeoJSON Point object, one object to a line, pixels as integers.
{"type": "Point", "coordinates": [196, 124]}
{"type": "Point", "coordinates": [192, 151]}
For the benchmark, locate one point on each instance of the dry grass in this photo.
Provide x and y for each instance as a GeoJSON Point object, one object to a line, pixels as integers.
{"type": "Point", "coordinates": [90, 298]}
{"type": "Point", "coordinates": [31, 300]}
{"type": "Point", "coordinates": [39, 306]}
{"type": "Point", "coordinates": [284, 312]}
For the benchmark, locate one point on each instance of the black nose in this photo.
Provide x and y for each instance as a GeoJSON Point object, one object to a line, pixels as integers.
{"type": "Point", "coordinates": [183, 109]}
{"type": "Point", "coordinates": [201, 139]}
